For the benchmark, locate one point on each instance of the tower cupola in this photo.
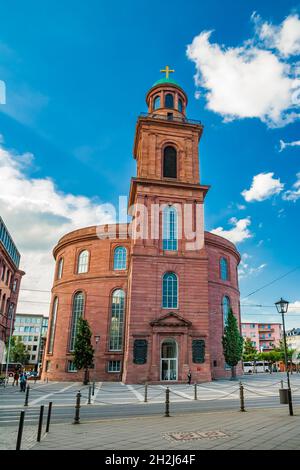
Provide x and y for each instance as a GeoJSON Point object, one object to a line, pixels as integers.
{"type": "Point", "coordinates": [167, 98]}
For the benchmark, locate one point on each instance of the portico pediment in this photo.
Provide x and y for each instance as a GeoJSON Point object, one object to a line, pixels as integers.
{"type": "Point", "coordinates": [171, 319]}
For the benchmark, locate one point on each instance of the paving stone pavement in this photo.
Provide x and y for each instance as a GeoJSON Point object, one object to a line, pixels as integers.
{"type": "Point", "coordinates": [8, 437]}
{"type": "Point", "coordinates": [254, 429]}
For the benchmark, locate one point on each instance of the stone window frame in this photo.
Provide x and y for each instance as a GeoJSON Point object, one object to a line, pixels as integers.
{"type": "Point", "coordinates": [225, 296]}
{"type": "Point", "coordinates": [115, 248]}
{"type": "Point", "coordinates": [79, 253]}
{"type": "Point", "coordinates": [163, 148]}
{"type": "Point", "coordinates": [78, 291]}
{"type": "Point", "coordinates": [109, 323]}
{"type": "Point", "coordinates": [172, 307]}
{"type": "Point", "coordinates": [52, 327]}
{"type": "Point", "coordinates": [60, 268]}
{"type": "Point", "coordinates": [166, 222]}
{"type": "Point", "coordinates": [226, 258]}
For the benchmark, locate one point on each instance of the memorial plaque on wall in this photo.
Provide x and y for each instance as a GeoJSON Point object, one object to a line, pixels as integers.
{"type": "Point", "coordinates": [140, 351]}
{"type": "Point", "coordinates": [198, 349]}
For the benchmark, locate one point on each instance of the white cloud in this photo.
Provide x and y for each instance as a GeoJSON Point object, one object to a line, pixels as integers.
{"type": "Point", "coordinates": [248, 81]}
{"type": "Point", "coordinates": [263, 186]}
{"type": "Point", "coordinates": [293, 194]}
{"type": "Point", "coordinates": [294, 307]}
{"type": "Point", "coordinates": [284, 145]}
{"type": "Point", "coordinates": [285, 37]}
{"type": "Point", "coordinates": [37, 214]}
{"type": "Point", "coordinates": [245, 270]}
{"type": "Point", "coordinates": [238, 233]}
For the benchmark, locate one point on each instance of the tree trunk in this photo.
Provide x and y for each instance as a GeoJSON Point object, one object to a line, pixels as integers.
{"type": "Point", "coordinates": [233, 373]}
{"type": "Point", "coordinates": [86, 377]}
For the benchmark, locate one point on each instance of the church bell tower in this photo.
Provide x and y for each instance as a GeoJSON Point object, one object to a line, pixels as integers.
{"type": "Point", "coordinates": [168, 178]}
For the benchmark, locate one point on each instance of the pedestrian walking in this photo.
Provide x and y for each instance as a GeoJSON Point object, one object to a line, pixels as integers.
{"type": "Point", "coordinates": [23, 381]}
{"type": "Point", "coordinates": [16, 378]}
{"type": "Point", "coordinates": [189, 377]}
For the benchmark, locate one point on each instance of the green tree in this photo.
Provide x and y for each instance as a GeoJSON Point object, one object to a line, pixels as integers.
{"type": "Point", "coordinates": [232, 343]}
{"type": "Point", "coordinates": [281, 354]}
{"type": "Point", "coordinates": [18, 351]}
{"type": "Point", "coordinates": [83, 350]}
{"type": "Point", "coordinates": [250, 352]}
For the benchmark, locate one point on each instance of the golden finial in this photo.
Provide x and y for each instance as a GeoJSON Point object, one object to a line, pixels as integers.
{"type": "Point", "coordinates": [167, 70]}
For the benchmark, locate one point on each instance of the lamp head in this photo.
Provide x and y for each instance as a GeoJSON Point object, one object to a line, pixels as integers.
{"type": "Point", "coordinates": [282, 306]}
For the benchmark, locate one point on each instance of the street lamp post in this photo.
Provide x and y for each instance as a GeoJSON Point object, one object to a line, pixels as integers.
{"type": "Point", "coordinates": [282, 307]}
{"type": "Point", "coordinates": [11, 318]}
{"type": "Point", "coordinates": [97, 339]}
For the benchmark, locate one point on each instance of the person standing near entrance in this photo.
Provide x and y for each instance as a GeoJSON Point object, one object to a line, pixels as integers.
{"type": "Point", "coordinates": [16, 378]}
{"type": "Point", "coordinates": [189, 377]}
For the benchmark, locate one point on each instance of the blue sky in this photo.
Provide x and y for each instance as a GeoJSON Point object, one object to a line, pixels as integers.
{"type": "Point", "coordinates": [76, 75]}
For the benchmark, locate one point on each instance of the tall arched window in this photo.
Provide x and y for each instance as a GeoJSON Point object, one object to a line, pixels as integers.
{"type": "Point", "coordinates": [170, 229]}
{"type": "Point", "coordinates": [170, 291]}
{"type": "Point", "coordinates": [117, 320]}
{"type": "Point", "coordinates": [224, 269]}
{"type": "Point", "coordinates": [156, 102]}
{"type": "Point", "coordinates": [120, 256]}
{"type": "Point", "coordinates": [180, 105]}
{"type": "Point", "coordinates": [52, 325]}
{"type": "Point", "coordinates": [83, 262]}
{"type": "Point", "coordinates": [225, 308]}
{"type": "Point", "coordinates": [169, 101]}
{"type": "Point", "coordinates": [77, 312]}
{"type": "Point", "coordinates": [60, 268]}
{"type": "Point", "coordinates": [170, 162]}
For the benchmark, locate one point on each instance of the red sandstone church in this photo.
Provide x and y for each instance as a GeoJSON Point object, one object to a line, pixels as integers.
{"type": "Point", "coordinates": [156, 292]}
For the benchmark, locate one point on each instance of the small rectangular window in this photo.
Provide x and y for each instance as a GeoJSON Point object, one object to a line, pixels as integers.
{"type": "Point", "coordinates": [114, 366]}
{"type": "Point", "coordinates": [71, 367]}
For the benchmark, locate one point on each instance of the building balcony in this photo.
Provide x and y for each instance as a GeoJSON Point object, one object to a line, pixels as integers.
{"type": "Point", "coordinates": [269, 330]}
{"type": "Point", "coordinates": [171, 118]}
{"type": "Point", "coordinates": [267, 339]}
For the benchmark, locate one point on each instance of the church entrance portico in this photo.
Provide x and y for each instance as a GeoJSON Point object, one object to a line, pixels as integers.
{"type": "Point", "coordinates": [169, 361]}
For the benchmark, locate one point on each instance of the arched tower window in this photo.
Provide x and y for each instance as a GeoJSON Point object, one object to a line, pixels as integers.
{"type": "Point", "coordinates": [52, 326]}
{"type": "Point", "coordinates": [180, 105]}
{"type": "Point", "coordinates": [170, 162]}
{"type": "Point", "coordinates": [83, 262]}
{"type": "Point", "coordinates": [170, 291]}
{"type": "Point", "coordinates": [156, 102]}
{"type": "Point", "coordinates": [225, 308]}
{"type": "Point", "coordinates": [60, 268]}
{"type": "Point", "coordinates": [117, 320]}
{"type": "Point", "coordinates": [224, 269]}
{"type": "Point", "coordinates": [120, 258]}
{"type": "Point", "coordinates": [169, 101]}
{"type": "Point", "coordinates": [170, 229]}
{"type": "Point", "coordinates": [77, 312]}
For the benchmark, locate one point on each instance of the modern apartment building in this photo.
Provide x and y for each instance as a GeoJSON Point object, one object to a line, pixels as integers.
{"type": "Point", "coordinates": [32, 329]}
{"type": "Point", "coordinates": [264, 336]}
{"type": "Point", "coordinates": [10, 280]}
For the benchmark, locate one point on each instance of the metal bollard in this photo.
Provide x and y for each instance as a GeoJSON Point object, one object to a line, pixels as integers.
{"type": "Point", "coordinates": [146, 393]}
{"type": "Point", "coordinates": [49, 416]}
{"type": "Point", "coordinates": [167, 412]}
{"type": "Point", "coordinates": [242, 397]}
{"type": "Point", "coordinates": [196, 392]}
{"type": "Point", "coordinates": [26, 396]}
{"type": "Point", "coordinates": [40, 424]}
{"type": "Point", "coordinates": [77, 408]}
{"type": "Point", "coordinates": [93, 391]}
{"type": "Point", "coordinates": [90, 394]}
{"type": "Point", "coordinates": [20, 431]}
